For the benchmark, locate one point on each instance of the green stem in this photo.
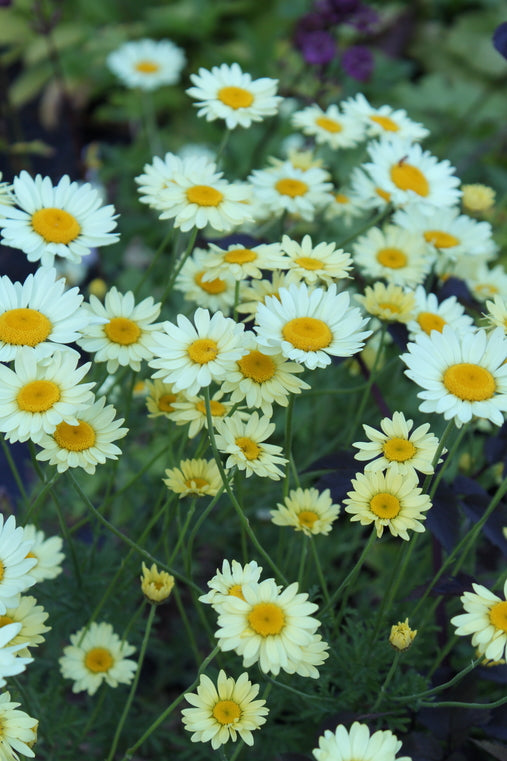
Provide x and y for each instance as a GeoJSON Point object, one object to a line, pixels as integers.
{"type": "Point", "coordinates": [443, 438]}
{"type": "Point", "coordinates": [302, 561]}
{"type": "Point", "coordinates": [12, 466]}
{"type": "Point", "coordinates": [438, 476]}
{"type": "Point", "coordinates": [40, 496]}
{"type": "Point", "coordinates": [387, 681]}
{"type": "Point", "coordinates": [288, 444]}
{"type": "Point", "coordinates": [178, 265]}
{"type": "Point", "coordinates": [188, 626]}
{"type": "Point", "coordinates": [458, 704]}
{"type": "Point", "coordinates": [440, 687]}
{"type": "Point", "coordinates": [371, 223]}
{"type": "Point", "coordinates": [350, 577]}
{"type": "Point", "coordinates": [396, 575]}
{"type": "Point", "coordinates": [135, 682]}
{"type": "Point", "coordinates": [154, 260]}
{"type": "Point", "coordinates": [318, 566]}
{"type": "Point", "coordinates": [183, 531]}
{"type": "Point", "coordinates": [367, 390]}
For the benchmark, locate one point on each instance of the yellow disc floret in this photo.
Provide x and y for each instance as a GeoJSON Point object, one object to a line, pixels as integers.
{"type": "Point", "coordinates": [409, 177]}
{"type": "Point", "coordinates": [257, 366]}
{"type": "Point", "coordinates": [75, 438]}
{"type": "Point", "coordinates": [235, 97]}
{"type": "Point", "coordinates": [55, 225]}
{"type": "Point", "coordinates": [203, 350]}
{"type": "Point", "coordinates": [204, 195]}
{"type": "Point", "coordinates": [288, 186]}
{"type": "Point", "coordinates": [307, 333]}
{"type": "Point", "coordinates": [398, 449]}
{"type": "Point", "coordinates": [38, 396]}
{"type": "Point", "coordinates": [24, 327]}
{"type": "Point", "coordinates": [469, 382]}
{"type": "Point", "coordinates": [121, 330]}
{"type": "Point", "coordinates": [385, 505]}
{"type": "Point", "coordinates": [98, 660]}
{"type": "Point", "coordinates": [266, 618]}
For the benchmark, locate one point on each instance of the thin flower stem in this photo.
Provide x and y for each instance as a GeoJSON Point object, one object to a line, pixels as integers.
{"type": "Point", "coordinates": [202, 518]}
{"type": "Point", "coordinates": [222, 753]}
{"type": "Point", "coordinates": [133, 480]}
{"type": "Point", "coordinates": [150, 122]}
{"type": "Point", "coordinates": [443, 438]}
{"type": "Point", "coordinates": [13, 467]}
{"type": "Point", "coordinates": [96, 712]}
{"type": "Point", "coordinates": [318, 567]}
{"type": "Point", "coordinates": [188, 626]}
{"type": "Point", "coordinates": [178, 265]}
{"type": "Point", "coordinates": [369, 384]}
{"type": "Point", "coordinates": [434, 690]}
{"type": "Point", "coordinates": [350, 577]}
{"type": "Point", "coordinates": [370, 223]}
{"type": "Point", "coordinates": [450, 455]}
{"type": "Point", "coordinates": [242, 517]}
{"type": "Point", "coordinates": [392, 587]}
{"type": "Point", "coordinates": [40, 496]}
{"type": "Point", "coordinates": [154, 259]}
{"type": "Point", "coordinates": [288, 444]}
{"type": "Point", "coordinates": [135, 682]}
{"type": "Point", "coordinates": [183, 531]}
{"type": "Point", "coordinates": [458, 704]}
{"type": "Point", "coordinates": [387, 681]}
{"type": "Point", "coordinates": [163, 716]}
{"type": "Point", "coordinates": [302, 561]}
{"type": "Point", "coordinates": [299, 693]}
{"type": "Point", "coordinates": [221, 148]}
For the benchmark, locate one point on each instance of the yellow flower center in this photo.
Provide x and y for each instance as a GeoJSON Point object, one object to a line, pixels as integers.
{"type": "Point", "coordinates": [266, 618]}
{"type": "Point", "coordinates": [240, 256]}
{"type": "Point", "coordinates": [121, 330]}
{"type": "Point", "coordinates": [98, 660]}
{"type": "Point", "coordinates": [385, 122]}
{"type": "Point", "coordinates": [288, 186]}
{"type": "Point", "coordinates": [55, 225]}
{"type": "Point", "coordinates": [235, 97]}
{"type": "Point", "coordinates": [257, 366]}
{"type": "Point", "coordinates": [196, 483]}
{"type": "Point", "coordinates": [307, 333]}
{"type": "Point", "coordinates": [498, 615]}
{"type": "Point", "coordinates": [5, 621]}
{"type": "Point", "coordinates": [469, 382]}
{"type": "Point", "coordinates": [383, 194]}
{"type": "Point", "coordinates": [429, 321]}
{"type": "Point", "coordinates": [203, 350]}
{"type": "Point", "coordinates": [210, 286]}
{"type": "Point", "coordinates": [226, 712]}
{"type": "Point", "coordinates": [146, 67]}
{"type": "Point", "coordinates": [486, 289]}
{"type": "Point", "coordinates": [38, 396]}
{"type": "Point", "coordinates": [307, 518]}
{"type": "Point", "coordinates": [165, 403]}
{"type": "Point", "coordinates": [236, 591]}
{"type": "Point", "coordinates": [390, 307]}
{"type": "Point", "coordinates": [217, 408]}
{"type": "Point", "coordinates": [385, 505]}
{"type": "Point", "coordinates": [392, 257]}
{"type": "Point", "coordinates": [408, 177]}
{"type": "Point", "coordinates": [341, 198]}
{"type": "Point", "coordinates": [204, 195]}
{"type": "Point", "coordinates": [398, 449]}
{"type": "Point", "coordinates": [309, 263]}
{"type": "Point", "coordinates": [330, 125]}
{"type": "Point", "coordinates": [441, 239]}
{"type": "Point", "coordinates": [74, 438]}
{"type": "Point", "coordinates": [249, 447]}
{"type": "Point", "coordinates": [24, 327]}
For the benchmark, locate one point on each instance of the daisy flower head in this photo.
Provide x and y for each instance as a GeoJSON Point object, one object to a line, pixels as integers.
{"type": "Point", "coordinates": [397, 447]}
{"type": "Point", "coordinates": [462, 376]}
{"type": "Point", "coordinates": [228, 93]}
{"type": "Point", "coordinates": [192, 355]}
{"type": "Point", "coordinates": [284, 188]}
{"type": "Point", "coordinates": [6, 195]}
{"type": "Point", "coordinates": [307, 510]}
{"type": "Point", "coordinates": [388, 499]}
{"type": "Point", "coordinates": [345, 206]}
{"type": "Point", "coordinates": [430, 314]}
{"type": "Point", "coordinates": [484, 282]}
{"type": "Point", "coordinates": [199, 196]}
{"type": "Point", "coordinates": [310, 326]}
{"type": "Point", "coordinates": [389, 303]}
{"type": "Point", "coordinates": [314, 264]}
{"type": "Point", "coordinates": [66, 220]}
{"type": "Point", "coordinates": [255, 292]}
{"type": "Point", "coordinates": [160, 399]}
{"type": "Point", "coordinates": [331, 127]}
{"type": "Point", "coordinates": [31, 617]}
{"type": "Point", "coordinates": [147, 64]}
{"type": "Point", "coordinates": [263, 379]}
{"type": "Point", "coordinates": [88, 443]}
{"type": "Point", "coordinates": [11, 663]}
{"type": "Point", "coordinates": [192, 410]}
{"type": "Point", "coordinates": [497, 313]}
{"type": "Point", "coordinates": [394, 254]}
{"type": "Point", "coordinates": [486, 620]}
{"type": "Point", "coordinates": [204, 287]}
{"type": "Point", "coordinates": [46, 552]}
{"type": "Point", "coordinates": [240, 263]}
{"type": "Point", "coordinates": [384, 120]}
{"type": "Point", "coordinates": [411, 175]}
{"type": "Point", "coordinates": [402, 636]}
{"type": "Point", "coordinates": [229, 581]}
{"type": "Point", "coordinates": [96, 655]}
{"type": "Point", "coordinates": [366, 192]}
{"type": "Point", "coordinates": [124, 335]}
{"type": "Point", "coordinates": [156, 177]}
{"type": "Point", "coordinates": [18, 730]}
{"type": "Point", "coordinates": [39, 313]}
{"type": "Point", "coordinates": [156, 585]}
{"type": "Point", "coordinates": [245, 444]}
{"type": "Point", "coordinates": [225, 711]}
{"type": "Point", "coordinates": [40, 393]}
{"type": "Point", "coordinates": [197, 478]}
{"type": "Point", "coordinates": [269, 626]}
{"type": "Point", "coordinates": [357, 744]}
{"type": "Point", "coordinates": [15, 565]}
{"type": "Point", "coordinates": [477, 198]}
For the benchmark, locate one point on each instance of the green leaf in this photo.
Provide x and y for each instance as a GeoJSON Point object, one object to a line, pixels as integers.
{"type": "Point", "coordinates": [28, 84]}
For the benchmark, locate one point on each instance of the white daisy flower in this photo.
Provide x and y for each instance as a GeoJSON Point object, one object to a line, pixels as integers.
{"type": "Point", "coordinates": [225, 712]}
{"type": "Point", "coordinates": [357, 744]}
{"type": "Point", "coordinates": [192, 356]}
{"type": "Point", "coordinates": [199, 196]}
{"type": "Point", "coordinates": [319, 263]}
{"type": "Point", "coordinates": [486, 620]}
{"type": "Point", "coordinates": [345, 206]}
{"type": "Point", "coordinates": [204, 287]}
{"type": "Point", "coordinates": [229, 581]}
{"type": "Point", "coordinates": [160, 399]}
{"type": "Point", "coordinates": [15, 565]}
{"type": "Point", "coordinates": [331, 127]}
{"type": "Point", "coordinates": [39, 394]}
{"type": "Point", "coordinates": [123, 337]}
{"type": "Point", "coordinates": [244, 442]}
{"type": "Point", "coordinates": [192, 410]}
{"type": "Point", "coordinates": [449, 232]}
{"type": "Point", "coordinates": [96, 655]}
{"type": "Point", "coordinates": [31, 617]}
{"type": "Point", "coordinates": [462, 376]}
{"type": "Point", "coordinates": [46, 552]}
{"type": "Point", "coordinates": [366, 192]}
{"type": "Point", "coordinates": [255, 292]}
{"type": "Point", "coordinates": [397, 255]}
{"type": "Point", "coordinates": [284, 188]}
{"type": "Point", "coordinates": [267, 625]}
{"type": "Point", "coordinates": [147, 64]}
{"type": "Point", "coordinates": [497, 313]}
{"type": "Point", "coordinates": [483, 282]}
{"type": "Point", "coordinates": [384, 120]}
{"type": "Point", "coordinates": [397, 447]}
{"type": "Point", "coordinates": [18, 731]}
{"type": "Point", "coordinates": [66, 220]}
{"type": "Point", "coordinates": [228, 93]}
{"type": "Point", "coordinates": [310, 327]}
{"type": "Point", "coordinates": [306, 510]}
{"type": "Point", "coordinates": [39, 313]}
{"type": "Point", "coordinates": [411, 175]}
{"type": "Point", "coordinates": [156, 177]}
{"type": "Point", "coordinates": [430, 314]}
{"type": "Point", "coordinates": [389, 303]}
{"type": "Point", "coordinates": [11, 663]}
{"type": "Point", "coordinates": [240, 263]}
{"type": "Point", "coordinates": [6, 195]}
{"type": "Point", "coordinates": [87, 444]}
{"type": "Point", "coordinates": [195, 478]}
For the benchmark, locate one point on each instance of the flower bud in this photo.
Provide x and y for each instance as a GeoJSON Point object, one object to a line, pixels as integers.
{"type": "Point", "coordinates": [156, 585]}
{"type": "Point", "coordinates": [402, 635]}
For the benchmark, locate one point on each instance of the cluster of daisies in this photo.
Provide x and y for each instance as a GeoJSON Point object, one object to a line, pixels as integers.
{"type": "Point", "coordinates": [27, 558]}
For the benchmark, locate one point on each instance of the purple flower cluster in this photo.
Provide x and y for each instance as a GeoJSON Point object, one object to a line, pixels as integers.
{"type": "Point", "coordinates": [315, 39]}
